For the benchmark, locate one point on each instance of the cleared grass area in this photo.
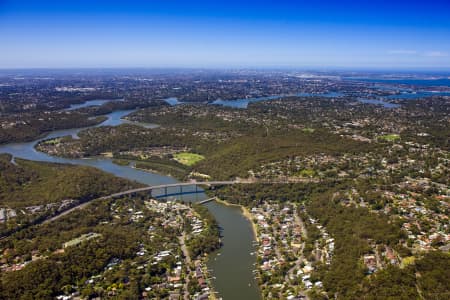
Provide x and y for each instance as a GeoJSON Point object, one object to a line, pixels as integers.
{"type": "Point", "coordinates": [389, 137]}
{"type": "Point", "coordinates": [79, 240]}
{"type": "Point", "coordinates": [408, 261]}
{"type": "Point", "coordinates": [188, 158]}
{"type": "Point", "coordinates": [308, 130]}
{"type": "Point", "coordinates": [306, 173]}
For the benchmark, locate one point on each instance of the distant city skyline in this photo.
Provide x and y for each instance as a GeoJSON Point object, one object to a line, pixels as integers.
{"type": "Point", "coordinates": [225, 34]}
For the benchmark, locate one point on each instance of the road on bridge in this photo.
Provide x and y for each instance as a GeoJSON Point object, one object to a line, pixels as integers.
{"type": "Point", "coordinates": [143, 189]}
{"type": "Point", "coordinates": [163, 186]}
{"type": "Point", "coordinates": [154, 187]}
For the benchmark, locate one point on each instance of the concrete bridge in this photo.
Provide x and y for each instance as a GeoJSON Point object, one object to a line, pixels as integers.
{"type": "Point", "coordinates": [165, 187]}
{"type": "Point", "coordinates": [180, 191]}
{"type": "Point", "coordinates": [150, 189]}
{"type": "Point", "coordinates": [196, 184]}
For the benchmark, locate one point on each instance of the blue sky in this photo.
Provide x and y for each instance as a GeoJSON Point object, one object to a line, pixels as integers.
{"type": "Point", "coordinates": [164, 33]}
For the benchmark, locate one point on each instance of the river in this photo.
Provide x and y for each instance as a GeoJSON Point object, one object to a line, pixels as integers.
{"type": "Point", "coordinates": [243, 103]}
{"type": "Point", "coordinates": [231, 266]}
{"type": "Point", "coordinates": [90, 103]}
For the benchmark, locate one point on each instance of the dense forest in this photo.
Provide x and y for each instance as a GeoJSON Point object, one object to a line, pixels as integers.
{"type": "Point", "coordinates": [427, 278]}
{"type": "Point", "coordinates": [352, 228]}
{"type": "Point", "coordinates": [27, 183]}
{"type": "Point", "coordinates": [250, 195]}
{"type": "Point", "coordinates": [33, 191]}
{"type": "Point", "coordinates": [27, 127]}
{"type": "Point", "coordinates": [237, 157]}
{"type": "Point", "coordinates": [209, 240]}
{"type": "Point", "coordinates": [231, 149]}
{"type": "Point", "coordinates": [160, 165]}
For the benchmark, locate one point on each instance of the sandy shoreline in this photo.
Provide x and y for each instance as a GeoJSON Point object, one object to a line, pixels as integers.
{"type": "Point", "coordinates": [245, 212]}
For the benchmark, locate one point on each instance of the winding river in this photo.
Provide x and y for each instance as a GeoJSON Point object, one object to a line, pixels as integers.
{"type": "Point", "coordinates": [231, 266]}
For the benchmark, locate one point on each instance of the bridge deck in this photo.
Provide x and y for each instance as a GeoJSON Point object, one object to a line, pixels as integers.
{"type": "Point", "coordinates": [163, 186]}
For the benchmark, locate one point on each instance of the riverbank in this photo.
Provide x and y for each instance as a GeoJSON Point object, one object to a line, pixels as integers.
{"type": "Point", "coordinates": [179, 177]}
{"type": "Point", "coordinates": [235, 261]}
{"type": "Point", "coordinates": [245, 212]}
